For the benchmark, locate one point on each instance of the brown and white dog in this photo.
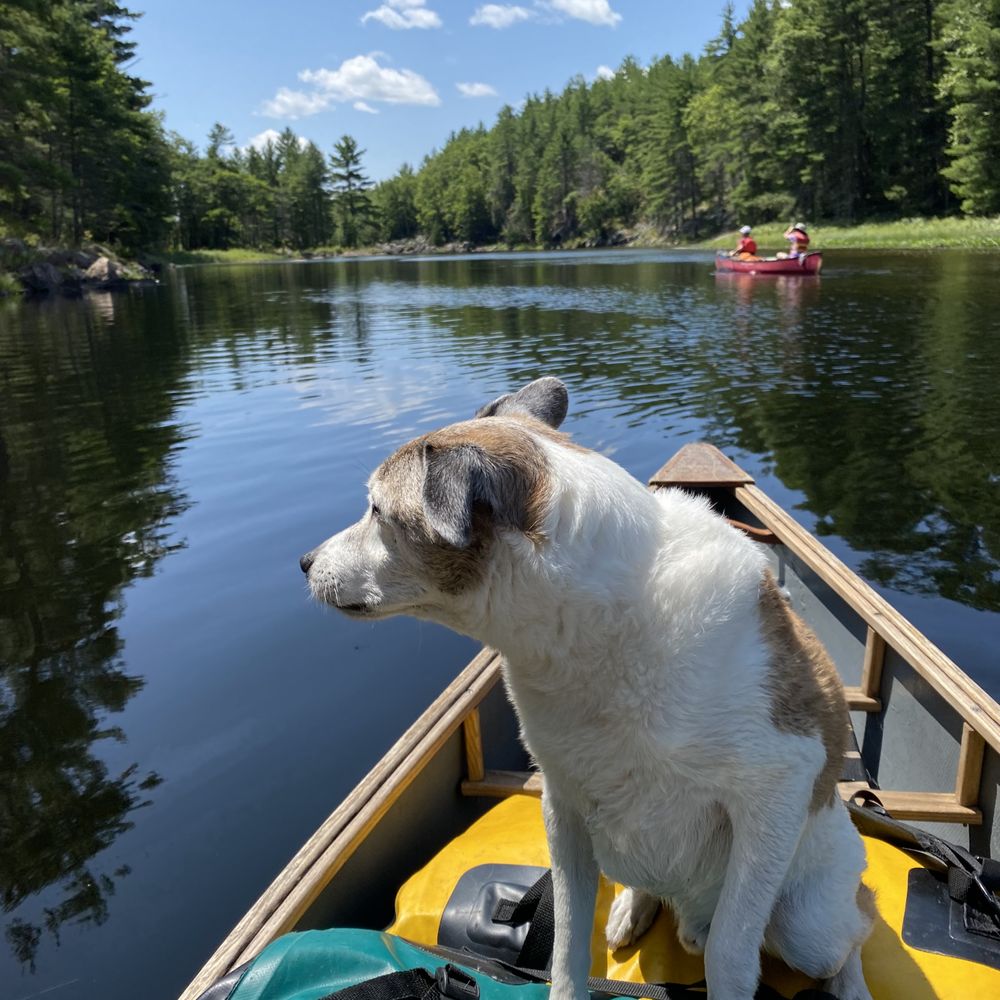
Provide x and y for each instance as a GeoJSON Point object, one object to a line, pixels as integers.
{"type": "Point", "coordinates": [688, 727]}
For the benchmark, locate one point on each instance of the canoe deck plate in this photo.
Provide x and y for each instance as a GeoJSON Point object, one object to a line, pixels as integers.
{"type": "Point", "coordinates": [700, 464]}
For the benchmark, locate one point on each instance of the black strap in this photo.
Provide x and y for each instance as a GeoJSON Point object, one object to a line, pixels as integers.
{"type": "Point", "coordinates": [664, 991]}
{"type": "Point", "coordinates": [972, 881]}
{"type": "Point", "coordinates": [537, 909]}
{"type": "Point", "coordinates": [519, 911]}
{"type": "Point", "coordinates": [619, 987]}
{"type": "Point", "coordinates": [413, 984]}
{"type": "Point", "coordinates": [409, 984]}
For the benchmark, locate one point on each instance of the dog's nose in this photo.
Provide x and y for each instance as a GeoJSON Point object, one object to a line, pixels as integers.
{"type": "Point", "coordinates": [307, 560]}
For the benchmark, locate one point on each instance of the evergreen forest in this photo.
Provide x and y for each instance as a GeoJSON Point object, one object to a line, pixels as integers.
{"type": "Point", "coordinates": [845, 110]}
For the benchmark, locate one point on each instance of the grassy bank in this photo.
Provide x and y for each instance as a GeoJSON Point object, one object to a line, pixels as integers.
{"type": "Point", "coordinates": [905, 234]}
{"type": "Point", "coordinates": [237, 255]}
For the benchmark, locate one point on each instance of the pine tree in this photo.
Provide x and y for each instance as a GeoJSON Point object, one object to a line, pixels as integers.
{"type": "Point", "coordinates": [351, 203]}
{"type": "Point", "coordinates": [82, 154]}
{"type": "Point", "coordinates": [970, 83]}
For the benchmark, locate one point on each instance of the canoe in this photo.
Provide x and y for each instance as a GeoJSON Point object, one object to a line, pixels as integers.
{"type": "Point", "coordinates": [457, 788]}
{"type": "Point", "coordinates": [808, 263]}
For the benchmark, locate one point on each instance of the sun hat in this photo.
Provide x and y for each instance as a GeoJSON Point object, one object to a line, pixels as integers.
{"type": "Point", "coordinates": [745, 230]}
{"type": "Point", "coordinates": [800, 225]}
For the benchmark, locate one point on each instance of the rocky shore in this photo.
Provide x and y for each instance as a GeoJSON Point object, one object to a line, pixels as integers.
{"type": "Point", "coordinates": [420, 246]}
{"type": "Point", "coordinates": [37, 270]}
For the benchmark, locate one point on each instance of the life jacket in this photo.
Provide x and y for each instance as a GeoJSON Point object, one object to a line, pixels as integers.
{"type": "Point", "coordinates": [747, 245]}
{"type": "Point", "coordinates": [799, 240]}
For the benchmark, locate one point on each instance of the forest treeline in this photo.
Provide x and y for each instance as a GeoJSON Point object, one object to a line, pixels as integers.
{"type": "Point", "coordinates": [827, 109]}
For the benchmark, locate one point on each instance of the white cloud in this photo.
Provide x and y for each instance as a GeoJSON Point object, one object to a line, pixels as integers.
{"type": "Point", "coordinates": [363, 79]}
{"type": "Point", "coordinates": [476, 90]}
{"type": "Point", "coordinates": [402, 14]}
{"type": "Point", "coordinates": [604, 73]}
{"type": "Point", "coordinates": [593, 11]}
{"type": "Point", "coordinates": [359, 79]}
{"type": "Point", "coordinates": [367, 108]}
{"type": "Point", "coordinates": [260, 140]}
{"type": "Point", "coordinates": [495, 15]}
{"type": "Point", "coordinates": [292, 104]}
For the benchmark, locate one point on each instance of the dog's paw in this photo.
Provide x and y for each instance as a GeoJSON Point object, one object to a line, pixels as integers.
{"type": "Point", "coordinates": [631, 914]}
{"type": "Point", "coordinates": [849, 982]}
{"type": "Point", "coordinates": [693, 938]}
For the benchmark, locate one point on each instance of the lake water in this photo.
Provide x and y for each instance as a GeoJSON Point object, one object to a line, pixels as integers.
{"type": "Point", "coordinates": [176, 717]}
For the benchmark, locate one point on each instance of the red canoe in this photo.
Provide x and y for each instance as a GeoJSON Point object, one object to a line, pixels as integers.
{"type": "Point", "coordinates": [808, 263]}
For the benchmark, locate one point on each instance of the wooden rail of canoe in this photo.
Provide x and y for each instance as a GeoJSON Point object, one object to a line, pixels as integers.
{"type": "Point", "coordinates": [696, 466]}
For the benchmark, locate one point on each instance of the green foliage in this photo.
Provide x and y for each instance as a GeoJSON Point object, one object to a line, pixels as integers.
{"type": "Point", "coordinates": [854, 109]}
{"type": "Point", "coordinates": [970, 84]}
{"type": "Point", "coordinates": [394, 204]}
{"type": "Point", "coordinates": [82, 154]}
{"type": "Point", "coordinates": [352, 206]}
{"type": "Point", "coordinates": [804, 108]}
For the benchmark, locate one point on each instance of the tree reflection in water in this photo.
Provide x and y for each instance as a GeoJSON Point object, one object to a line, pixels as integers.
{"type": "Point", "coordinates": [874, 394]}
{"type": "Point", "coordinates": [85, 496]}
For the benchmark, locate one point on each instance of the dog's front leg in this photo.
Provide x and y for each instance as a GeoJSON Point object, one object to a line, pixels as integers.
{"type": "Point", "coordinates": [574, 890]}
{"type": "Point", "coordinates": [766, 832]}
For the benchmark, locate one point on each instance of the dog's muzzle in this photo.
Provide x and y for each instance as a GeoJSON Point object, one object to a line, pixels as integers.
{"type": "Point", "coordinates": [306, 561]}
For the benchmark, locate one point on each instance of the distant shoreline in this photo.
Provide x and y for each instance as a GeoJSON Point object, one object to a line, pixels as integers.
{"type": "Point", "coordinates": [21, 270]}
{"type": "Point", "coordinates": [907, 234]}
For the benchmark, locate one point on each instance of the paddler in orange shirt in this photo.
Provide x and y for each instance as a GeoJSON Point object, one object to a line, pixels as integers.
{"type": "Point", "coordinates": [746, 249]}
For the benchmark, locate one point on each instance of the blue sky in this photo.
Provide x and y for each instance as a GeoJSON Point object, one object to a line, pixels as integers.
{"type": "Point", "coordinates": [398, 75]}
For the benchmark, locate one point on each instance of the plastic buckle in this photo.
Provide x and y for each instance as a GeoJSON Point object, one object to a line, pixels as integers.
{"type": "Point", "coordinates": [456, 983]}
{"type": "Point", "coordinates": [990, 903]}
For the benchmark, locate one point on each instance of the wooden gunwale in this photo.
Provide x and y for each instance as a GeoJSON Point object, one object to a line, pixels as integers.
{"type": "Point", "coordinates": [966, 697]}
{"type": "Point", "coordinates": [328, 849]}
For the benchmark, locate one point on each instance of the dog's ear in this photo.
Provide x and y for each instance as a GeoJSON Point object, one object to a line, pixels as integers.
{"type": "Point", "coordinates": [545, 399]}
{"type": "Point", "coordinates": [454, 478]}
{"type": "Point", "coordinates": [458, 479]}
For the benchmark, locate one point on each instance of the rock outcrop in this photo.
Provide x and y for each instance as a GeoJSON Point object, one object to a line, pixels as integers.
{"type": "Point", "coordinates": [104, 273]}
{"type": "Point", "coordinates": [42, 270]}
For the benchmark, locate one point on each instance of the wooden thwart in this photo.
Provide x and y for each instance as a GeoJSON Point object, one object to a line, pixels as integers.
{"type": "Point", "coordinates": [859, 701]}
{"type": "Point", "coordinates": [941, 807]}
{"type": "Point", "coordinates": [502, 784]}
{"type": "Point", "coordinates": [936, 807]}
